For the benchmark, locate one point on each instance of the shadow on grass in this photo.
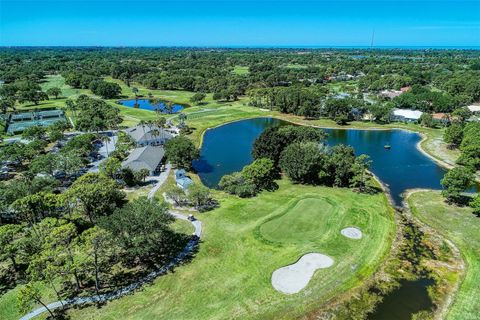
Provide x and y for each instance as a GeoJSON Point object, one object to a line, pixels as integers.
{"type": "Point", "coordinates": [183, 251]}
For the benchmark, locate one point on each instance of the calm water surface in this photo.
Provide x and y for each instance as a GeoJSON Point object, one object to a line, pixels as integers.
{"type": "Point", "coordinates": [228, 148]}
{"type": "Point", "coordinates": [400, 304]}
{"type": "Point", "coordinates": [148, 104]}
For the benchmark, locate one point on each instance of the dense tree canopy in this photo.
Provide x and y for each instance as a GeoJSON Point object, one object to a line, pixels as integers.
{"type": "Point", "coordinates": [142, 230]}
{"type": "Point", "coordinates": [456, 181]}
{"type": "Point", "coordinates": [181, 151]}
{"type": "Point", "coordinates": [272, 141]}
{"type": "Point", "coordinates": [95, 115]}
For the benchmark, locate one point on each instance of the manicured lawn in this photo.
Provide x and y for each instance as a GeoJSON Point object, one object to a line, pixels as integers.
{"type": "Point", "coordinates": [241, 70]}
{"type": "Point", "coordinates": [59, 82]}
{"type": "Point", "coordinates": [225, 112]}
{"type": "Point", "coordinates": [214, 114]}
{"type": "Point", "coordinates": [179, 96]}
{"type": "Point", "coordinates": [295, 66]}
{"type": "Point", "coordinates": [343, 86]}
{"type": "Point", "coordinates": [230, 275]}
{"type": "Point", "coordinates": [182, 226]}
{"type": "Point", "coordinates": [9, 307]}
{"type": "Point", "coordinates": [462, 228]}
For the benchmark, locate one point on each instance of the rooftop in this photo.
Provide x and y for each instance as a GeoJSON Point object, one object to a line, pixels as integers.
{"type": "Point", "coordinates": [148, 157]}
{"type": "Point", "coordinates": [181, 179]}
{"type": "Point", "coordinates": [474, 108]}
{"type": "Point", "coordinates": [407, 113]}
{"type": "Point", "coordinates": [140, 133]}
{"type": "Point", "coordinates": [391, 93]}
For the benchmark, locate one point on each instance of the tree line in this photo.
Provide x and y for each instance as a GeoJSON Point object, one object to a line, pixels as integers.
{"type": "Point", "coordinates": [301, 154]}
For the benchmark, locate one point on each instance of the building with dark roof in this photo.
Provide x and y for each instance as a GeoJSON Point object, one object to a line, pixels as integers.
{"type": "Point", "coordinates": [148, 157]}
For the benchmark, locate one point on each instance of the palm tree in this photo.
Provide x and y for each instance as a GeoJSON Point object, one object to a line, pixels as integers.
{"type": "Point", "coordinates": [105, 139]}
{"type": "Point", "coordinates": [135, 91]}
{"type": "Point", "coordinates": [161, 122]}
{"type": "Point", "coordinates": [155, 133]}
{"type": "Point", "coordinates": [72, 107]}
{"type": "Point", "coordinates": [142, 123]}
{"type": "Point", "coordinates": [150, 124]}
{"type": "Point", "coordinates": [182, 117]}
{"type": "Point", "coordinates": [169, 107]}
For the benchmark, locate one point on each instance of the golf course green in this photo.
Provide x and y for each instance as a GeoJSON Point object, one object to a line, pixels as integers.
{"type": "Point", "coordinates": [246, 240]}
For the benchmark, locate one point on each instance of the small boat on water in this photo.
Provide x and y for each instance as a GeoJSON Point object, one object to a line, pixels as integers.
{"type": "Point", "coordinates": [387, 147]}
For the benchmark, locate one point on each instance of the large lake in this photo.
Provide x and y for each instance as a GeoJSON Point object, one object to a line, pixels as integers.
{"type": "Point", "coordinates": [227, 148]}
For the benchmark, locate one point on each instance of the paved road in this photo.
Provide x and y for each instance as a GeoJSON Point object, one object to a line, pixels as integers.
{"type": "Point", "coordinates": [161, 180]}
{"type": "Point", "coordinates": [105, 150]}
{"type": "Point", "coordinates": [148, 278]}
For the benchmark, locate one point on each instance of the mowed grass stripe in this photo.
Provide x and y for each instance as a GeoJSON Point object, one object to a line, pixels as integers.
{"type": "Point", "coordinates": [230, 277]}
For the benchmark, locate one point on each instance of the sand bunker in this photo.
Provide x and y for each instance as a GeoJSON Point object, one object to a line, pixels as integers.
{"type": "Point", "coordinates": [293, 278]}
{"type": "Point", "coordinates": [352, 233]}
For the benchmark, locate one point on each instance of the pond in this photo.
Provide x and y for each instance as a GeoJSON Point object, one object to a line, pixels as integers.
{"type": "Point", "coordinates": [152, 105]}
{"type": "Point", "coordinates": [228, 148]}
{"type": "Point", "coordinates": [400, 304]}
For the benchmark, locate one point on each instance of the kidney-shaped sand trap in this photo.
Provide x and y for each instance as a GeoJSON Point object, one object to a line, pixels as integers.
{"type": "Point", "coordinates": [352, 233]}
{"type": "Point", "coordinates": [293, 278]}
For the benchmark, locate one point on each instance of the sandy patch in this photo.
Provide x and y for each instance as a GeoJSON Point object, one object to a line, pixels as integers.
{"type": "Point", "coordinates": [352, 233]}
{"type": "Point", "coordinates": [293, 278]}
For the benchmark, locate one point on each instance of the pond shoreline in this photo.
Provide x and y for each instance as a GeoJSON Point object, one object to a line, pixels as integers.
{"type": "Point", "coordinates": [438, 160]}
{"type": "Point", "coordinates": [398, 208]}
{"type": "Point", "coordinates": [443, 308]}
{"type": "Point", "coordinates": [424, 137]}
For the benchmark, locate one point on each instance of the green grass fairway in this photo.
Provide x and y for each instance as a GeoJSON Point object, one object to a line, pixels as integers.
{"type": "Point", "coordinates": [312, 220]}
{"type": "Point", "coordinates": [225, 112]}
{"type": "Point", "coordinates": [230, 277]}
{"type": "Point", "coordinates": [463, 228]}
{"type": "Point", "coordinates": [59, 82]}
{"type": "Point", "coordinates": [241, 70]}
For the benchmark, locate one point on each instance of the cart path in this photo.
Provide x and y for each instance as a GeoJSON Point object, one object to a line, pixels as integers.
{"type": "Point", "coordinates": [134, 286]}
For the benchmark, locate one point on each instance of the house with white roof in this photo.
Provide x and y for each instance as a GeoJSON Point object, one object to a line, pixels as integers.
{"type": "Point", "coordinates": [406, 115]}
{"type": "Point", "coordinates": [390, 93]}
{"type": "Point", "coordinates": [144, 135]}
{"type": "Point", "coordinates": [474, 108]}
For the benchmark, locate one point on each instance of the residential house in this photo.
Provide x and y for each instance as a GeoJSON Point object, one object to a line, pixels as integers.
{"type": "Point", "coordinates": [406, 115]}
{"type": "Point", "coordinates": [441, 117]}
{"type": "Point", "coordinates": [390, 93]}
{"type": "Point", "coordinates": [144, 135]}
{"type": "Point", "coordinates": [182, 180]}
{"type": "Point", "coordinates": [342, 95]}
{"type": "Point", "coordinates": [148, 157]}
{"type": "Point", "coordinates": [474, 108]}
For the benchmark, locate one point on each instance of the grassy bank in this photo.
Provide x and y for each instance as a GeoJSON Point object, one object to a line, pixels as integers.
{"type": "Point", "coordinates": [245, 240]}
{"type": "Point", "coordinates": [461, 227]}
{"type": "Point", "coordinates": [432, 144]}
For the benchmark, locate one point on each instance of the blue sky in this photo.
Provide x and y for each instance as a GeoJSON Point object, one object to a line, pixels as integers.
{"type": "Point", "coordinates": [424, 23]}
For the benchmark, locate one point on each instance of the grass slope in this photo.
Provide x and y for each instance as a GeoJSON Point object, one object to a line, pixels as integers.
{"type": "Point", "coordinates": [230, 275]}
{"type": "Point", "coordinates": [461, 227]}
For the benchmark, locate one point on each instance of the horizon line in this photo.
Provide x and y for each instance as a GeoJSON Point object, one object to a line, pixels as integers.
{"type": "Point", "coordinates": [366, 47]}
